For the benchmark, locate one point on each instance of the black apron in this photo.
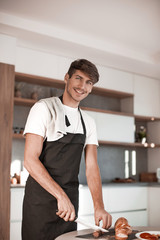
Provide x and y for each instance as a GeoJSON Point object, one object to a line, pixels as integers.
{"type": "Point", "coordinates": [62, 160]}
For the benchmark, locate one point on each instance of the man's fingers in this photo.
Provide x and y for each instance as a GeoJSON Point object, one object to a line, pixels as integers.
{"type": "Point", "coordinates": [72, 216]}
{"type": "Point", "coordinates": [66, 215]}
{"type": "Point", "coordinates": [59, 212]}
{"type": "Point", "coordinates": [97, 221]}
{"type": "Point", "coordinates": [107, 222]}
{"type": "Point", "coordinates": [63, 214]}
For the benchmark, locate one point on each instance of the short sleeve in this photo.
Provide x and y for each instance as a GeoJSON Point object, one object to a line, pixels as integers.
{"type": "Point", "coordinates": [91, 136]}
{"type": "Point", "coordinates": [37, 120]}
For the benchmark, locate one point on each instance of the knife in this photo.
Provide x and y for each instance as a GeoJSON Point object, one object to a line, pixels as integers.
{"type": "Point", "coordinates": [90, 225]}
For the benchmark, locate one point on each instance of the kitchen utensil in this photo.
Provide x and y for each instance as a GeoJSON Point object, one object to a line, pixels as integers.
{"type": "Point", "coordinates": [90, 225]}
{"type": "Point", "coordinates": [110, 235]}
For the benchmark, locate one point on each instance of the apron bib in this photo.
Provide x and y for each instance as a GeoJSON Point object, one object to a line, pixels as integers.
{"type": "Point", "coordinates": [62, 159]}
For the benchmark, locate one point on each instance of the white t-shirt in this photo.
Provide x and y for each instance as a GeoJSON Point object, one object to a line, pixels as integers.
{"type": "Point", "coordinates": [38, 118]}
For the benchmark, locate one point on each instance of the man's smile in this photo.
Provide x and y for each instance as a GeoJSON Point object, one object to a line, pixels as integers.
{"type": "Point", "coordinates": [79, 91]}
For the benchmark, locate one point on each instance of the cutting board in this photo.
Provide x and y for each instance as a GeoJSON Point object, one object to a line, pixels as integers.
{"type": "Point", "coordinates": [109, 235]}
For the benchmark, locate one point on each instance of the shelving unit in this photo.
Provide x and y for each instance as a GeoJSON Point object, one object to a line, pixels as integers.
{"type": "Point", "coordinates": [139, 145]}
{"type": "Point", "coordinates": [24, 101]}
{"type": "Point", "coordinates": [109, 143]}
{"type": "Point", "coordinates": [18, 136]}
{"type": "Point", "coordinates": [43, 81]}
{"type": "Point", "coordinates": [145, 118]}
{"type": "Point", "coordinates": [31, 102]}
{"type": "Point", "coordinates": [50, 82]}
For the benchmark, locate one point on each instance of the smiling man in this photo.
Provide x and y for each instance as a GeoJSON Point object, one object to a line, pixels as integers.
{"type": "Point", "coordinates": [57, 132]}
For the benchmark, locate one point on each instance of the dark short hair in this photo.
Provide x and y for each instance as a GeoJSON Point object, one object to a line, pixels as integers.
{"type": "Point", "coordinates": [86, 67]}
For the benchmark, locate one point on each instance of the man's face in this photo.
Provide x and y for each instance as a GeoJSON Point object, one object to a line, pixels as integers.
{"type": "Point", "coordinates": [78, 86]}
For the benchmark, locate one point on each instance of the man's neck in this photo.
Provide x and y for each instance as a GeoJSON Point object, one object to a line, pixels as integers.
{"type": "Point", "coordinates": [69, 101]}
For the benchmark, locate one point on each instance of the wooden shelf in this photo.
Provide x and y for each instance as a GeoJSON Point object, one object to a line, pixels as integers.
{"type": "Point", "coordinates": [107, 111]}
{"type": "Point", "coordinates": [43, 81]}
{"type": "Point", "coordinates": [111, 93]}
{"type": "Point", "coordinates": [31, 102]}
{"type": "Point", "coordinates": [146, 118]}
{"type": "Point", "coordinates": [109, 143]}
{"type": "Point", "coordinates": [24, 101]}
{"type": "Point", "coordinates": [50, 82]}
{"type": "Point", "coordinates": [18, 136]}
{"type": "Point", "coordinates": [125, 144]}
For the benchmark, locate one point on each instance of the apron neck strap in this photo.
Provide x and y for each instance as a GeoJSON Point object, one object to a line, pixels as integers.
{"type": "Point", "coordinates": [67, 121]}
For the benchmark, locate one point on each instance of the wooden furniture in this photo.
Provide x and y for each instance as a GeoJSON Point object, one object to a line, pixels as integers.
{"type": "Point", "coordinates": [6, 118]}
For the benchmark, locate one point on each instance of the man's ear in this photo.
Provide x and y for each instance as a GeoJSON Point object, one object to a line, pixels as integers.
{"type": "Point", "coordinates": [66, 77]}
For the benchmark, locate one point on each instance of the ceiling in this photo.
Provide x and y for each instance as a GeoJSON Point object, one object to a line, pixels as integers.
{"type": "Point", "coordinates": [123, 34]}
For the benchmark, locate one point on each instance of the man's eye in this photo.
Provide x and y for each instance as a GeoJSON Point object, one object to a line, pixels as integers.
{"type": "Point", "coordinates": [90, 83]}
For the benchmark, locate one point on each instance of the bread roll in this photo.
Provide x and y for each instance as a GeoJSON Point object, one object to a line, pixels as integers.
{"type": "Point", "coordinates": [122, 229]}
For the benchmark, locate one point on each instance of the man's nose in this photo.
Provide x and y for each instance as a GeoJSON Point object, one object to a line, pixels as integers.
{"type": "Point", "coordinates": [82, 84]}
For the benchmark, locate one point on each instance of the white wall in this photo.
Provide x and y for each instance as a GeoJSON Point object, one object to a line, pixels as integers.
{"type": "Point", "coordinates": [41, 63]}
{"type": "Point", "coordinates": [7, 49]}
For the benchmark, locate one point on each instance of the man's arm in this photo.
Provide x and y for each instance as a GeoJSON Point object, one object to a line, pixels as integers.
{"type": "Point", "coordinates": [95, 186]}
{"type": "Point", "coordinates": [36, 169]}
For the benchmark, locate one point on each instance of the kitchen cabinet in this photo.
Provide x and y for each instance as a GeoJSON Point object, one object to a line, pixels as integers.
{"type": "Point", "coordinates": [127, 198]}
{"type": "Point", "coordinates": [135, 218]}
{"type": "Point", "coordinates": [119, 202]}
{"type": "Point", "coordinates": [112, 127]}
{"type": "Point", "coordinates": [16, 202]}
{"type": "Point", "coordinates": [146, 96]}
{"type": "Point", "coordinates": [154, 206]}
{"type": "Point", "coordinates": [115, 79]}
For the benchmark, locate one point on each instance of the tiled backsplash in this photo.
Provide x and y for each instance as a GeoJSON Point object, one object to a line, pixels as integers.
{"type": "Point", "coordinates": [112, 163]}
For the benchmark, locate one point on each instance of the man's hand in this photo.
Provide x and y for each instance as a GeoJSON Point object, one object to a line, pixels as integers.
{"type": "Point", "coordinates": [65, 209]}
{"type": "Point", "coordinates": [104, 216]}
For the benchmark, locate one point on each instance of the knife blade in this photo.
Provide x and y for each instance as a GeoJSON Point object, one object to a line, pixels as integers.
{"type": "Point", "coordinates": [90, 225]}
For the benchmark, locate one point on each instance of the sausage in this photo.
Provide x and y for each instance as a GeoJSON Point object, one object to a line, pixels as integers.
{"type": "Point", "coordinates": [97, 234]}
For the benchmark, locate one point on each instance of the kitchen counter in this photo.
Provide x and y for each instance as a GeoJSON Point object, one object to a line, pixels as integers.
{"type": "Point", "coordinates": [17, 186]}
{"type": "Point", "coordinates": [141, 184]}
{"type": "Point", "coordinates": [74, 235]}
{"type": "Point", "coordinates": [111, 184]}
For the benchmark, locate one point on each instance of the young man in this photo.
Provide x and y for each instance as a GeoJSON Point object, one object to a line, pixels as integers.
{"type": "Point", "coordinates": [56, 132]}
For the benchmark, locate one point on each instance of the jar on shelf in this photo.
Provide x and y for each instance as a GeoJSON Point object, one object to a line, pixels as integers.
{"type": "Point", "coordinates": [17, 90]}
{"type": "Point", "coordinates": [18, 93]}
{"type": "Point", "coordinates": [34, 95]}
